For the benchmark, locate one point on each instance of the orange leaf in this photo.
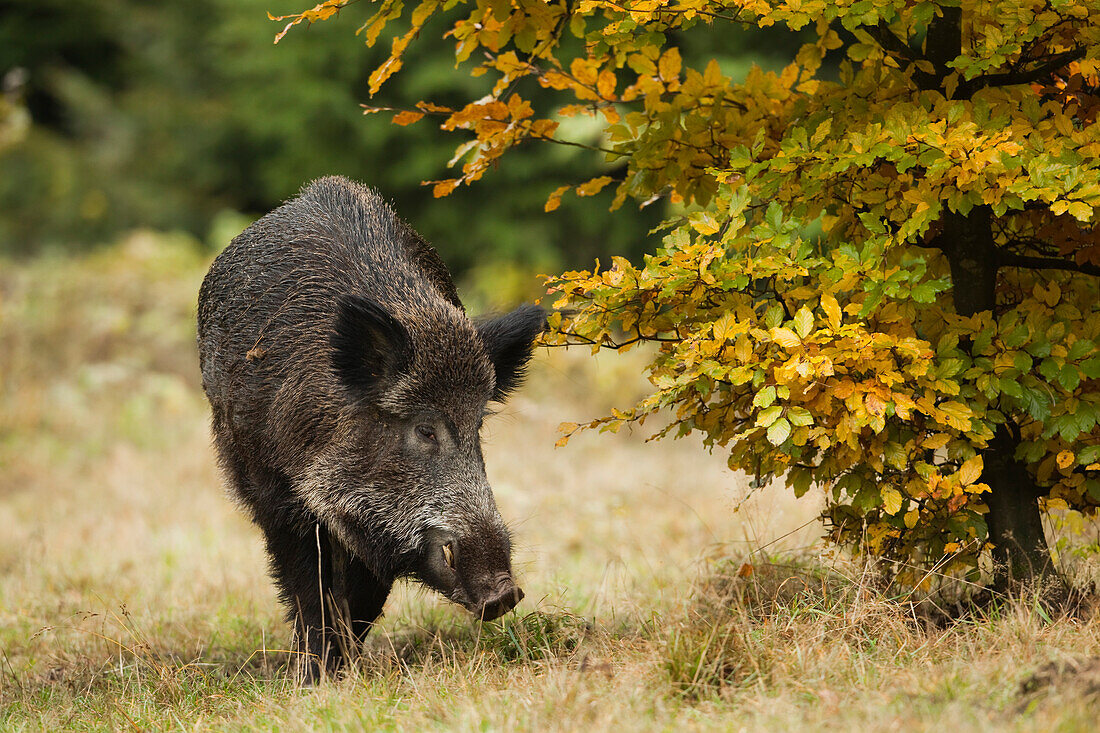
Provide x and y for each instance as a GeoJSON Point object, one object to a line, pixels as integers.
{"type": "Point", "coordinates": [444, 188]}
{"type": "Point", "coordinates": [605, 84]}
{"type": "Point", "coordinates": [554, 201]}
{"type": "Point", "coordinates": [875, 405]}
{"type": "Point", "coordinates": [406, 117]}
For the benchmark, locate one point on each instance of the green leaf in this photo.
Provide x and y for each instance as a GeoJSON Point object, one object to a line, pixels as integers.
{"type": "Point", "coordinates": [779, 431]}
{"type": "Point", "coordinates": [774, 216]}
{"type": "Point", "coordinates": [769, 416]}
{"type": "Point", "coordinates": [982, 341]}
{"type": "Point", "coordinates": [1017, 337]}
{"type": "Point", "coordinates": [895, 454]}
{"type": "Point", "coordinates": [800, 479]}
{"type": "Point", "coordinates": [800, 416]}
{"type": "Point", "coordinates": [1068, 377]}
{"type": "Point", "coordinates": [924, 293]}
{"type": "Point", "coordinates": [1011, 387]}
{"type": "Point", "coordinates": [1039, 349]}
{"type": "Point", "coordinates": [1081, 347]}
{"type": "Point", "coordinates": [1037, 402]}
{"type": "Point", "coordinates": [773, 316]}
{"type": "Point", "coordinates": [1090, 454]}
{"type": "Point", "coordinates": [765, 397]}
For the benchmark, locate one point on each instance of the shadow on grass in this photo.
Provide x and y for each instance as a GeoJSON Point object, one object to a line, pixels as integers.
{"type": "Point", "coordinates": [111, 657]}
{"type": "Point", "coordinates": [448, 642]}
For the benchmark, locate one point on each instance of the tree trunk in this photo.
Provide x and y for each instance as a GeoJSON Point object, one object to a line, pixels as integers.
{"type": "Point", "coordinates": [1020, 551]}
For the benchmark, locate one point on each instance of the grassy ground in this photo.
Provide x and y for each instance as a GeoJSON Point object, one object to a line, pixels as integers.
{"type": "Point", "coordinates": [133, 595]}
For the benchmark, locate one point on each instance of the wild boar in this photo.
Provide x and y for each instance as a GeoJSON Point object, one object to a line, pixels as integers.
{"type": "Point", "coordinates": [348, 388]}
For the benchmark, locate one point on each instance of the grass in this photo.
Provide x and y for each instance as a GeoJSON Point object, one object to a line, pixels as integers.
{"type": "Point", "coordinates": [134, 595]}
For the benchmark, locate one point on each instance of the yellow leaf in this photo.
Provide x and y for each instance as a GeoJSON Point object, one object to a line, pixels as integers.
{"type": "Point", "coordinates": [1053, 294]}
{"type": "Point", "coordinates": [970, 471]}
{"type": "Point", "coordinates": [832, 310]}
{"type": "Point", "coordinates": [844, 389]}
{"type": "Point", "coordinates": [957, 414]}
{"type": "Point", "coordinates": [554, 201]}
{"type": "Point", "coordinates": [891, 500]}
{"type": "Point", "coordinates": [937, 441]}
{"type": "Point", "coordinates": [378, 77]}
{"type": "Point", "coordinates": [670, 63]}
{"type": "Point", "coordinates": [593, 187]}
{"type": "Point", "coordinates": [911, 518]}
{"type": "Point", "coordinates": [1080, 211]}
{"type": "Point", "coordinates": [743, 350]}
{"type": "Point", "coordinates": [1053, 503]}
{"type": "Point", "coordinates": [1064, 459]}
{"type": "Point", "coordinates": [786, 338]}
{"type": "Point", "coordinates": [723, 327]}
{"type": "Point", "coordinates": [803, 321]}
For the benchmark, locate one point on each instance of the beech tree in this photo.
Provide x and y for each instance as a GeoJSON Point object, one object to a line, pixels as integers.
{"type": "Point", "coordinates": [880, 284]}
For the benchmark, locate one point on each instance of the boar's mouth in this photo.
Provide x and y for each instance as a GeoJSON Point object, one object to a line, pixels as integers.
{"type": "Point", "coordinates": [501, 602]}
{"type": "Point", "coordinates": [462, 573]}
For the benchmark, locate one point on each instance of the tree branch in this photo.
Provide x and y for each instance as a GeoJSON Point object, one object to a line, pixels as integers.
{"type": "Point", "coordinates": [1045, 263]}
{"type": "Point", "coordinates": [891, 42]}
{"type": "Point", "coordinates": [1056, 62]}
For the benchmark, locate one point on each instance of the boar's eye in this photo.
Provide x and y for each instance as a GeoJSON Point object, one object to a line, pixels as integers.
{"type": "Point", "coordinates": [427, 434]}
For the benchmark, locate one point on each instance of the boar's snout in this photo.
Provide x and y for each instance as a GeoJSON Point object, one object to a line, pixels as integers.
{"type": "Point", "coordinates": [474, 573]}
{"type": "Point", "coordinates": [507, 595]}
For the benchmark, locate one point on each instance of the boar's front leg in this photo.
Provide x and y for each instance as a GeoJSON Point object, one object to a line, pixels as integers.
{"type": "Point", "coordinates": [355, 600]}
{"type": "Point", "coordinates": [300, 572]}
{"type": "Point", "coordinates": [330, 619]}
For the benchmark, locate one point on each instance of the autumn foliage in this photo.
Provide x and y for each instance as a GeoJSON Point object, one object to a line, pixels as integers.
{"type": "Point", "coordinates": [879, 282]}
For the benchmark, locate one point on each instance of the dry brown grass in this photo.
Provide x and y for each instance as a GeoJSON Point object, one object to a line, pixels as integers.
{"type": "Point", "coordinates": [134, 595]}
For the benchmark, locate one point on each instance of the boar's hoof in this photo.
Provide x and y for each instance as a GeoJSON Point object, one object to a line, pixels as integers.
{"type": "Point", "coordinates": [500, 603]}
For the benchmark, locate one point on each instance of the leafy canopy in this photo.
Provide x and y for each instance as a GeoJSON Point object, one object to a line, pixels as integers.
{"type": "Point", "coordinates": [873, 280]}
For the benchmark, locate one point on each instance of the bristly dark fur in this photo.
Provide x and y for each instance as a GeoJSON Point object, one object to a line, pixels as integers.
{"type": "Point", "coordinates": [508, 339]}
{"type": "Point", "coordinates": [347, 386]}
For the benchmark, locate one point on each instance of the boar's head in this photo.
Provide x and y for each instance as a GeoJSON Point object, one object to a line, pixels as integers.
{"type": "Point", "coordinates": [413, 496]}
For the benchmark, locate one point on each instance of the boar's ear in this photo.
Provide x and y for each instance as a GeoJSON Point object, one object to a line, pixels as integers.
{"type": "Point", "coordinates": [509, 340]}
{"type": "Point", "coordinates": [369, 344]}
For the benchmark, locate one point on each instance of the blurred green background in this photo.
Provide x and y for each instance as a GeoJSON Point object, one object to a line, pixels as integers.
{"type": "Point", "coordinates": [181, 115]}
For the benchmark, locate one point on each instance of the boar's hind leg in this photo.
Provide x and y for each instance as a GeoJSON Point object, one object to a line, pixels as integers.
{"type": "Point", "coordinates": [302, 566]}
